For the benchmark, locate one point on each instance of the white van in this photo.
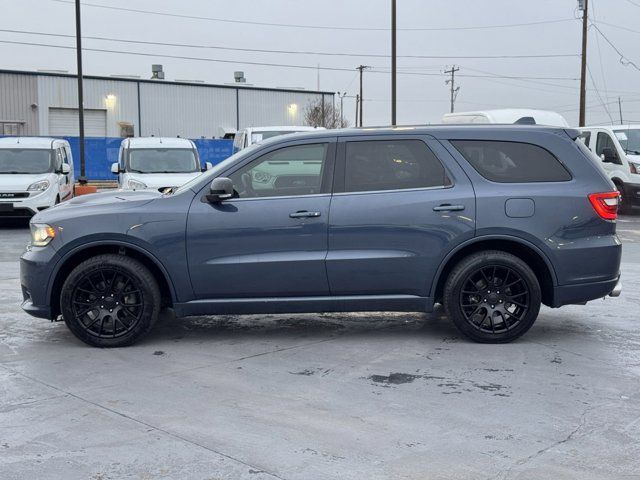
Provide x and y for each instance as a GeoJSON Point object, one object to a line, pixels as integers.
{"type": "Point", "coordinates": [618, 147]}
{"type": "Point", "coordinates": [251, 135]}
{"type": "Point", "coordinates": [35, 173]}
{"type": "Point", "coordinates": [156, 163]}
{"type": "Point", "coordinates": [523, 116]}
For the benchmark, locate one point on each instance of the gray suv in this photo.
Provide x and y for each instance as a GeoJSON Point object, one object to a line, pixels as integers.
{"type": "Point", "coordinates": [490, 221]}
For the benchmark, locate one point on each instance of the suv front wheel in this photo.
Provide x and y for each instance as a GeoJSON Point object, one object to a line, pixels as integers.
{"type": "Point", "coordinates": [110, 301]}
{"type": "Point", "coordinates": [492, 297]}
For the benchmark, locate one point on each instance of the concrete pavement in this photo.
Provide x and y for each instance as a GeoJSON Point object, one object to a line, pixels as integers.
{"type": "Point", "coordinates": [358, 396]}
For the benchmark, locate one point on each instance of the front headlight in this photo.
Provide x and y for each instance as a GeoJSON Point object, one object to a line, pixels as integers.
{"type": "Point", "coordinates": [136, 185]}
{"type": "Point", "coordinates": [40, 186]}
{"type": "Point", "coordinates": [42, 234]}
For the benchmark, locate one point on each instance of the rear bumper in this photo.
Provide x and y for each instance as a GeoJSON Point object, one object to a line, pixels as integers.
{"type": "Point", "coordinates": [583, 292]}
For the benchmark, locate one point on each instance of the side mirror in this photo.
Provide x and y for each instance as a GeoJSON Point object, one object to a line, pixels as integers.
{"type": "Point", "coordinates": [221, 189]}
{"type": "Point", "coordinates": [66, 169]}
{"type": "Point", "coordinates": [208, 166]}
{"type": "Point", "coordinates": [115, 168]}
{"type": "Point", "coordinates": [609, 155]}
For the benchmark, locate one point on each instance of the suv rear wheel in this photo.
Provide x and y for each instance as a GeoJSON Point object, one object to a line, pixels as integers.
{"type": "Point", "coordinates": [110, 301]}
{"type": "Point", "coordinates": [492, 297]}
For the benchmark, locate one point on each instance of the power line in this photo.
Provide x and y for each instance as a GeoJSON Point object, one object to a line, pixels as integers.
{"type": "Point", "coordinates": [623, 59]}
{"type": "Point", "coordinates": [261, 50]}
{"type": "Point", "coordinates": [604, 106]}
{"type": "Point", "coordinates": [315, 27]}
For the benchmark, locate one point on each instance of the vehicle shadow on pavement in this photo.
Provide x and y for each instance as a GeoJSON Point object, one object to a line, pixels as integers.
{"type": "Point", "coordinates": [308, 326]}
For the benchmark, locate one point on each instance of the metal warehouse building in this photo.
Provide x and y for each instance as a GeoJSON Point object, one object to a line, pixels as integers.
{"type": "Point", "coordinates": [45, 104]}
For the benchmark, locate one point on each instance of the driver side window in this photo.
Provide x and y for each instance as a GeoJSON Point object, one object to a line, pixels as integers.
{"type": "Point", "coordinates": [603, 141]}
{"type": "Point", "coordinates": [289, 171]}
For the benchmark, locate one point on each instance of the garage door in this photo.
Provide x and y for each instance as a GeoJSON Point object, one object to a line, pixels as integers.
{"type": "Point", "coordinates": [64, 122]}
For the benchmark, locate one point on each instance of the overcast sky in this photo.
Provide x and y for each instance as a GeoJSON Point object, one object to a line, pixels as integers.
{"type": "Point", "coordinates": [360, 28]}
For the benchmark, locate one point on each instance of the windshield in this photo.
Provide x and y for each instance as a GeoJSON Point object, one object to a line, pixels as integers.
{"type": "Point", "coordinates": [162, 160]}
{"type": "Point", "coordinates": [260, 136]}
{"type": "Point", "coordinates": [629, 140]}
{"type": "Point", "coordinates": [209, 175]}
{"type": "Point", "coordinates": [25, 160]}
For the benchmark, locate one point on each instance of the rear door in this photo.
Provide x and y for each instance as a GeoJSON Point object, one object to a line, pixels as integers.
{"type": "Point", "coordinates": [400, 204]}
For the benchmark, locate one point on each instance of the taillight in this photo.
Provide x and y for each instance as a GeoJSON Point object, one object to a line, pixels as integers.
{"type": "Point", "coordinates": [605, 204]}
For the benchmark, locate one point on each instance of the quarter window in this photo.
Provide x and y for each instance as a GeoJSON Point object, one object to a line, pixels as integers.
{"type": "Point", "coordinates": [296, 170]}
{"type": "Point", "coordinates": [512, 162]}
{"type": "Point", "coordinates": [392, 165]}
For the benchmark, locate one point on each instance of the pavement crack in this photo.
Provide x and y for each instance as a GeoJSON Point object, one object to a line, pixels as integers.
{"type": "Point", "coordinates": [146, 424]}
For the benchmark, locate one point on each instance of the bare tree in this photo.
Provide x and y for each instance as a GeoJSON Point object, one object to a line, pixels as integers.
{"type": "Point", "coordinates": [324, 114]}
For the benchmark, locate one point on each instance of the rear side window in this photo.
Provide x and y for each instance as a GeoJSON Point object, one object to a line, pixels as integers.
{"type": "Point", "coordinates": [392, 165]}
{"type": "Point", "coordinates": [512, 162]}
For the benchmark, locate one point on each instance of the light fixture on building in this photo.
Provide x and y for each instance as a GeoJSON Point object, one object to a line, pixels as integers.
{"type": "Point", "coordinates": [110, 101]}
{"type": "Point", "coordinates": [293, 109]}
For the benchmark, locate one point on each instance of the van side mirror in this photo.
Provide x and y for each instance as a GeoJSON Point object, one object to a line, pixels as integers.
{"type": "Point", "coordinates": [115, 168]}
{"type": "Point", "coordinates": [609, 155]}
{"type": "Point", "coordinates": [207, 166]}
{"type": "Point", "coordinates": [221, 189]}
{"type": "Point", "coordinates": [65, 169]}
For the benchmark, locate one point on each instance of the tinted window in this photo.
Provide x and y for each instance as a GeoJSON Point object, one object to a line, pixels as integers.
{"type": "Point", "coordinates": [294, 170]}
{"type": "Point", "coordinates": [604, 141]}
{"type": "Point", "coordinates": [585, 137]}
{"type": "Point", "coordinates": [512, 162]}
{"type": "Point", "coordinates": [391, 165]}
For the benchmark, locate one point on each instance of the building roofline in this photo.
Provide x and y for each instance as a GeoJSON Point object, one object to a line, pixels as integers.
{"type": "Point", "coordinates": [163, 82]}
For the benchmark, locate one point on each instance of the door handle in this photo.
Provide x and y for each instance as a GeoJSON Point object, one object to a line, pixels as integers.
{"type": "Point", "coordinates": [304, 214]}
{"type": "Point", "coordinates": [446, 207]}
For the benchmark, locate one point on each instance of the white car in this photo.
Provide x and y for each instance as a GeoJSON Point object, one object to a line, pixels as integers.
{"type": "Point", "coordinates": [35, 173]}
{"type": "Point", "coordinates": [523, 116]}
{"type": "Point", "coordinates": [251, 135]}
{"type": "Point", "coordinates": [618, 147]}
{"type": "Point", "coordinates": [156, 163]}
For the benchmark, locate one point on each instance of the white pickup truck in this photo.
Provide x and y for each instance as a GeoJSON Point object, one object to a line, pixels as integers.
{"type": "Point", "coordinates": [35, 173]}
{"type": "Point", "coordinates": [156, 163]}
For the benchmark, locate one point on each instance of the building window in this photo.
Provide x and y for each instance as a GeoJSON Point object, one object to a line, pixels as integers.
{"type": "Point", "coordinates": [10, 129]}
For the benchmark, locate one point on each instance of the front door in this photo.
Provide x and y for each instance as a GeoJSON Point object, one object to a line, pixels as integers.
{"type": "Point", "coordinates": [397, 210]}
{"type": "Point", "coordinates": [271, 239]}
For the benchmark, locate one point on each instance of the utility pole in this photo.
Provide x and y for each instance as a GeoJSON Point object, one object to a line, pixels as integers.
{"type": "Point", "coordinates": [620, 109]}
{"type": "Point", "coordinates": [341, 95]}
{"type": "Point", "coordinates": [584, 6]}
{"type": "Point", "coordinates": [357, 107]}
{"type": "Point", "coordinates": [393, 62]}
{"type": "Point", "coordinates": [452, 83]}
{"type": "Point", "coordinates": [361, 68]}
{"type": "Point", "coordinates": [82, 178]}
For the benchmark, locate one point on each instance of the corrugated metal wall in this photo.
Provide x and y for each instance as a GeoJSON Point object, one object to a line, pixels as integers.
{"type": "Point", "coordinates": [17, 94]}
{"type": "Point", "coordinates": [186, 110]}
{"type": "Point", "coordinates": [118, 98]}
{"type": "Point", "coordinates": [166, 108]}
{"type": "Point", "coordinates": [265, 107]}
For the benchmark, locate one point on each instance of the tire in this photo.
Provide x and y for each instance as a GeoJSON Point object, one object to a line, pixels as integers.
{"type": "Point", "coordinates": [624, 204]}
{"type": "Point", "coordinates": [492, 297]}
{"type": "Point", "coordinates": [122, 297]}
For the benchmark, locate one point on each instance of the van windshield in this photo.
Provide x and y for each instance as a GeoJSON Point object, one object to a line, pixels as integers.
{"type": "Point", "coordinates": [24, 160]}
{"type": "Point", "coordinates": [629, 140]}
{"type": "Point", "coordinates": [162, 160]}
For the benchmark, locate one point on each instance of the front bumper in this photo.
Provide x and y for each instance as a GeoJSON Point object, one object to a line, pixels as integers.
{"type": "Point", "coordinates": [581, 293]}
{"type": "Point", "coordinates": [26, 207]}
{"type": "Point", "coordinates": [36, 267]}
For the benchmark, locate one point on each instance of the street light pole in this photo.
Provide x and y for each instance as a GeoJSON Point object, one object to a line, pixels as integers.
{"type": "Point", "coordinates": [583, 65]}
{"type": "Point", "coordinates": [393, 62]}
{"type": "Point", "coordinates": [82, 178]}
